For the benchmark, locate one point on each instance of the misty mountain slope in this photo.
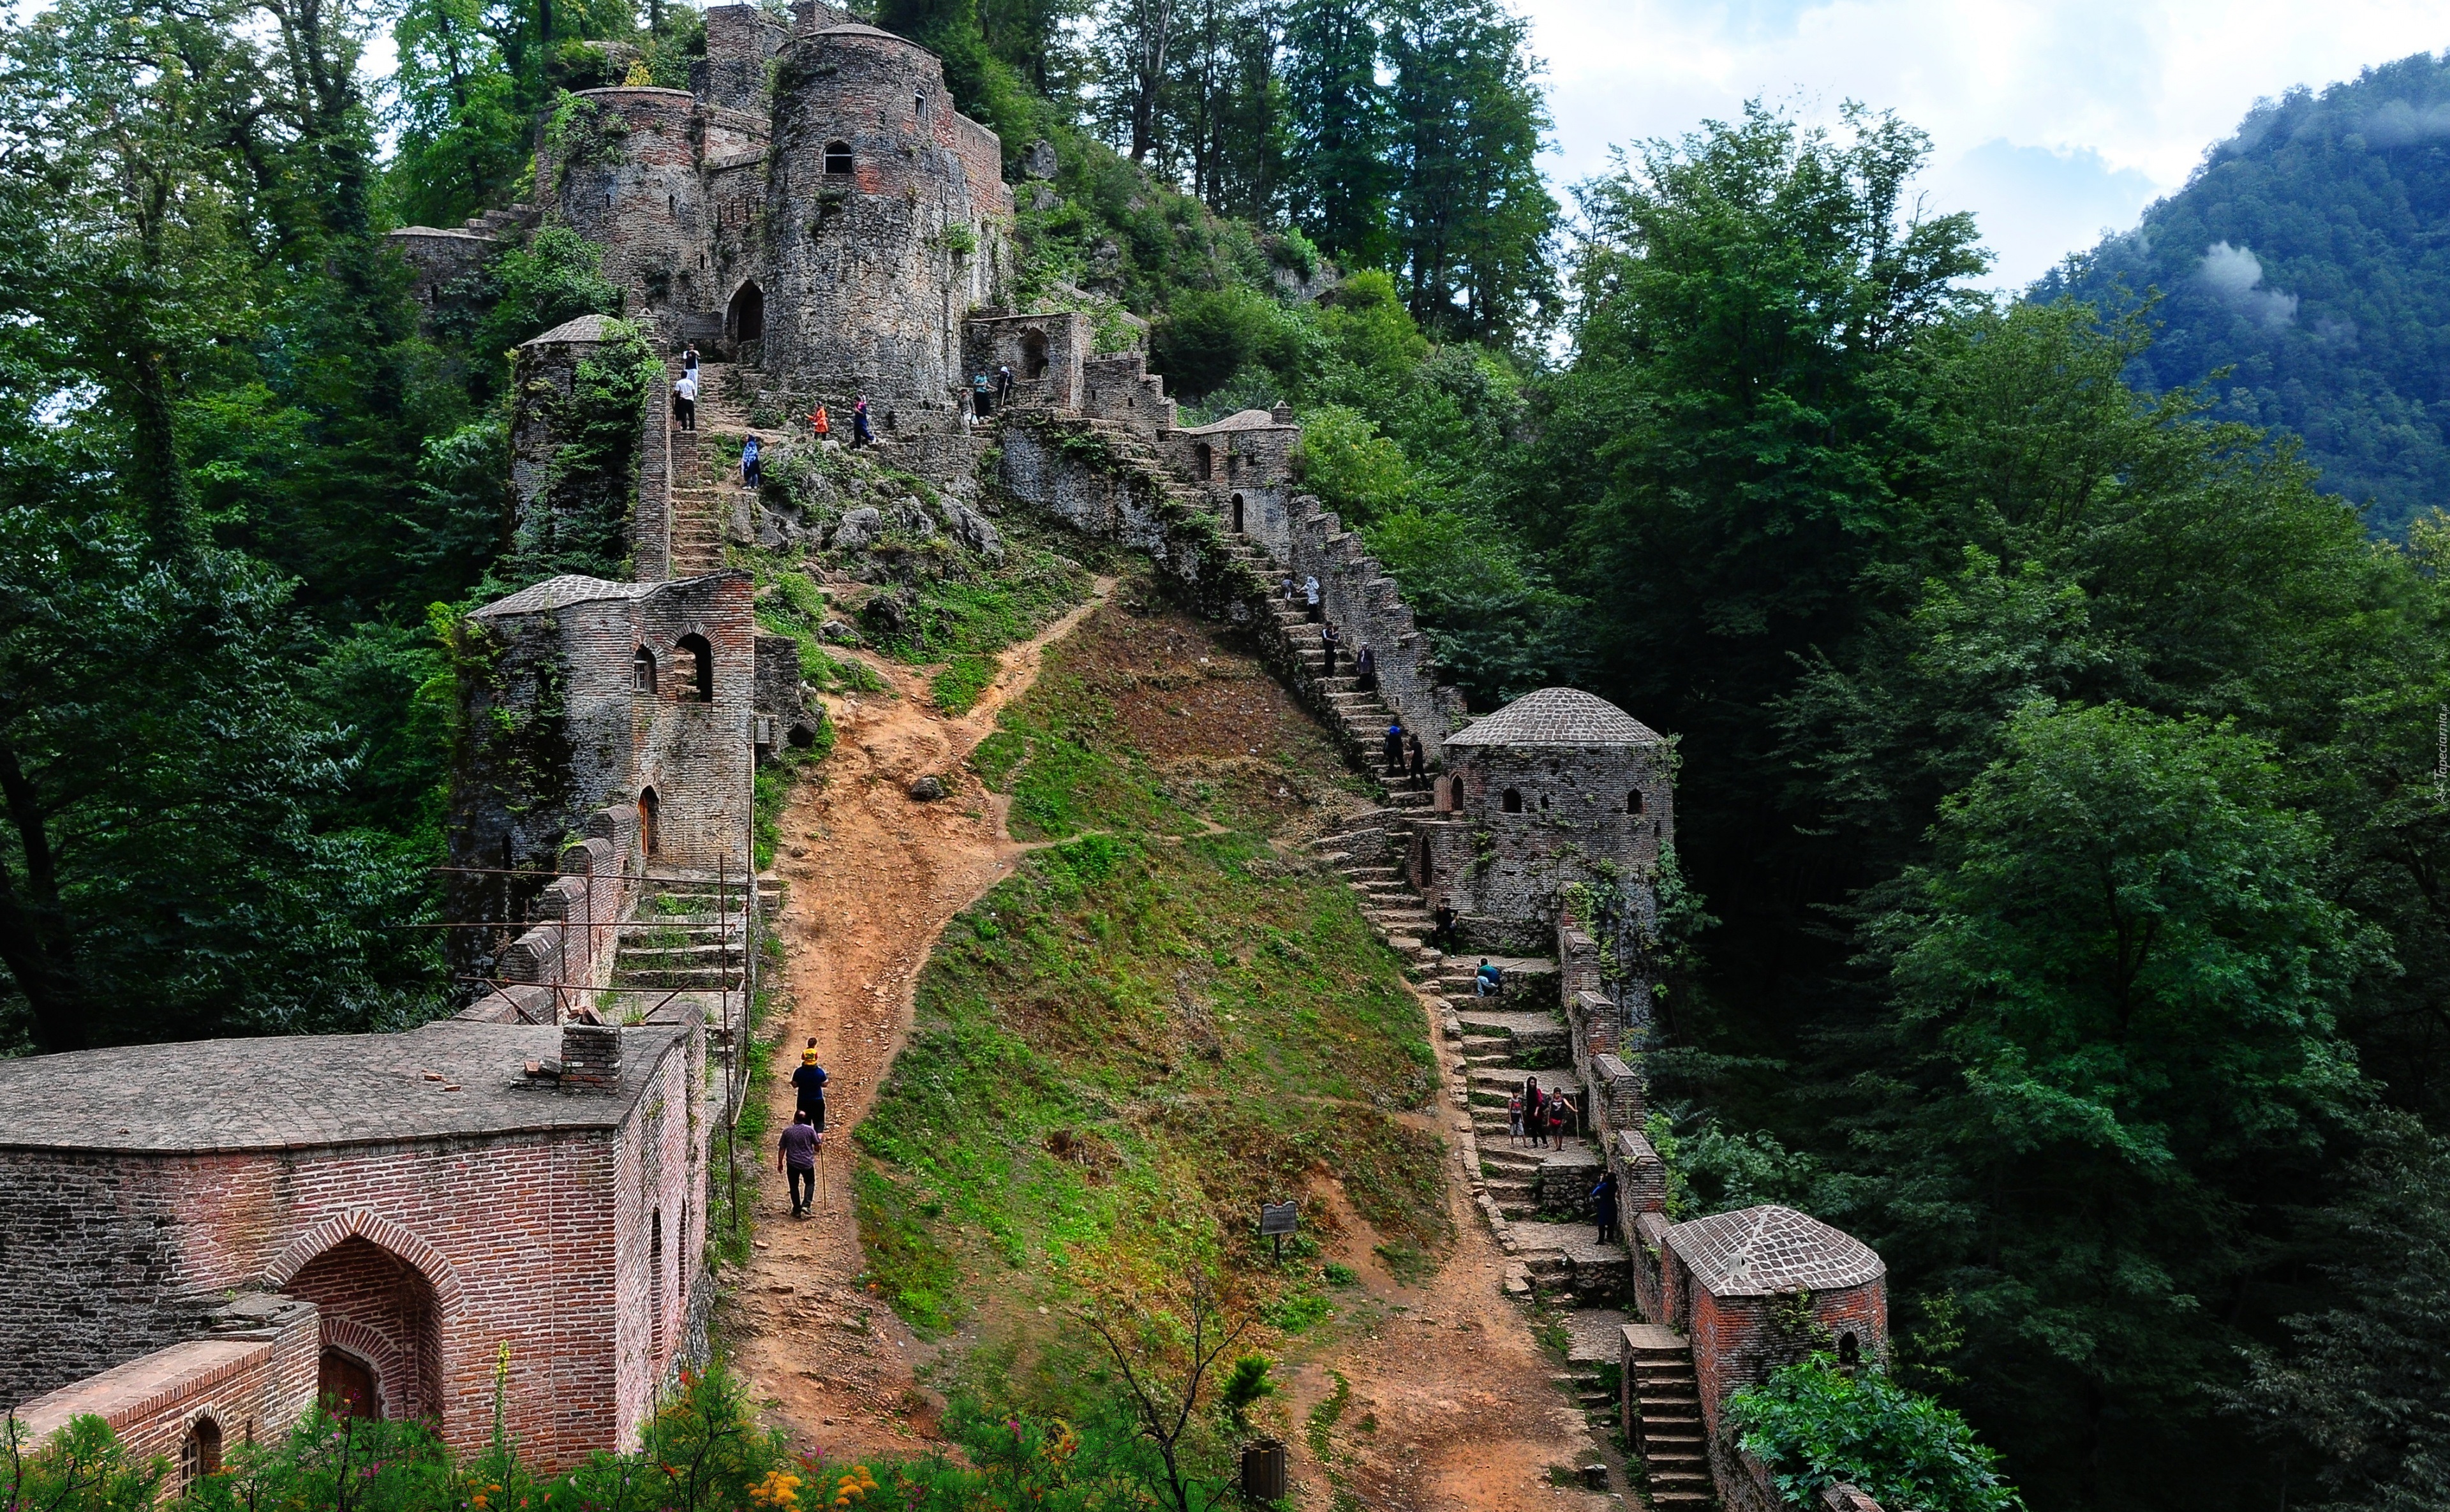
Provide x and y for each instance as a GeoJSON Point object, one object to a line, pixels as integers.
{"type": "Point", "coordinates": [2311, 254]}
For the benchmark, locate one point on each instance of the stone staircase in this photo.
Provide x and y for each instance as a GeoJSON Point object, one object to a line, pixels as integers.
{"type": "Point", "coordinates": [1519, 1033]}
{"type": "Point", "coordinates": [1663, 1402]}
{"type": "Point", "coordinates": [706, 469]}
{"type": "Point", "coordinates": [690, 933]}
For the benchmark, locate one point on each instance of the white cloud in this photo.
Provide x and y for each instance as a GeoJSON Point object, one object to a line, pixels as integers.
{"type": "Point", "coordinates": [2051, 119]}
{"type": "Point", "coordinates": [2235, 274]}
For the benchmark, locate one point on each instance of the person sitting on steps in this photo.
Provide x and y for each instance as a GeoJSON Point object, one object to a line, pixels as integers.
{"type": "Point", "coordinates": [1441, 928]}
{"type": "Point", "coordinates": [1489, 980]}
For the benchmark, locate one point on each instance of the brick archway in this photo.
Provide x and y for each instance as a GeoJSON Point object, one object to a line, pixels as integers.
{"type": "Point", "coordinates": [360, 1223]}
{"type": "Point", "coordinates": [378, 1310]}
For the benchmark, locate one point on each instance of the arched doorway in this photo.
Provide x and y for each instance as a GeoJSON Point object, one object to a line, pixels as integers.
{"type": "Point", "coordinates": [1511, 801]}
{"type": "Point", "coordinates": [1207, 460]}
{"type": "Point", "coordinates": [345, 1385]}
{"type": "Point", "coordinates": [1237, 514]}
{"type": "Point", "coordinates": [1033, 354]}
{"type": "Point", "coordinates": [745, 320]}
{"type": "Point", "coordinates": [382, 1327]}
{"type": "Point", "coordinates": [648, 803]}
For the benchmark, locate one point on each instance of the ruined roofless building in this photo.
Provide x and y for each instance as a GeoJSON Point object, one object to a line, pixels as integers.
{"type": "Point", "coordinates": [835, 227]}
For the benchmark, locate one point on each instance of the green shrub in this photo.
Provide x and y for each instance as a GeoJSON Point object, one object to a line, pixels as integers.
{"type": "Point", "coordinates": [958, 687]}
{"type": "Point", "coordinates": [1815, 1425]}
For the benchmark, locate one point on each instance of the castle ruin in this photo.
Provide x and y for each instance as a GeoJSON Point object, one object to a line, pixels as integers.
{"type": "Point", "coordinates": [198, 1239]}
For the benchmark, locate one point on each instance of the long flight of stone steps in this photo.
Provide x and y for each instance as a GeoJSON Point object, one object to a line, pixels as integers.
{"type": "Point", "coordinates": [1516, 1035]}
{"type": "Point", "coordinates": [1663, 1402]}
{"type": "Point", "coordinates": [705, 476]}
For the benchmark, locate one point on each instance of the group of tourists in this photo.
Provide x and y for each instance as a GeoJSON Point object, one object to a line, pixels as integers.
{"type": "Point", "coordinates": [1539, 1116]}
{"type": "Point", "coordinates": [803, 1142]}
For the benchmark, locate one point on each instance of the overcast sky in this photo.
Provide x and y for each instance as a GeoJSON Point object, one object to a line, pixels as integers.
{"type": "Point", "coordinates": [2050, 120]}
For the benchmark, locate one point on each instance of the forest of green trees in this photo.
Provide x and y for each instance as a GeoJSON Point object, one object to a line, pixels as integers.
{"type": "Point", "coordinates": [2302, 272]}
{"type": "Point", "coordinates": [2063, 813]}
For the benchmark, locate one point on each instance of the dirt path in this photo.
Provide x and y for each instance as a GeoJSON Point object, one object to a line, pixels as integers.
{"type": "Point", "coordinates": [1451, 1403]}
{"type": "Point", "coordinates": [874, 878]}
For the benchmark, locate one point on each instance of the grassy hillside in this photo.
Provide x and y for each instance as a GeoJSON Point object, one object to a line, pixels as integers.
{"type": "Point", "coordinates": [1164, 1016]}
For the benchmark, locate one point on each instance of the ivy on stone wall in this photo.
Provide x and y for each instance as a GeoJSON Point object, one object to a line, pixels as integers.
{"type": "Point", "coordinates": [581, 521]}
{"type": "Point", "coordinates": [583, 133]}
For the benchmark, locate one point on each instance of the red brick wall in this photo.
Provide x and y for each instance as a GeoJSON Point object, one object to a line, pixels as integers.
{"type": "Point", "coordinates": [1738, 1340]}
{"type": "Point", "coordinates": [251, 1384]}
{"type": "Point", "coordinates": [536, 1241]}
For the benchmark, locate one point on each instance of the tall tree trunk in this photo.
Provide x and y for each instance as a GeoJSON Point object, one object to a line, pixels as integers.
{"type": "Point", "coordinates": [35, 942]}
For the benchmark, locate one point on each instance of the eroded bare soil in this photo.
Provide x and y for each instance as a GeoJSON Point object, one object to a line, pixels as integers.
{"type": "Point", "coordinates": [1451, 1402]}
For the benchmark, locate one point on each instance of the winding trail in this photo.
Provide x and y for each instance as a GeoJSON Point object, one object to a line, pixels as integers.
{"type": "Point", "coordinates": [874, 878]}
{"type": "Point", "coordinates": [1453, 1406]}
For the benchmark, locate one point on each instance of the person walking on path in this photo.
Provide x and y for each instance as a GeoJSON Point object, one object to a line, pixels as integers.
{"type": "Point", "coordinates": [1514, 1120]}
{"type": "Point", "coordinates": [751, 472]}
{"type": "Point", "coordinates": [858, 432]}
{"type": "Point", "coordinates": [1393, 746]}
{"type": "Point", "coordinates": [818, 425]}
{"type": "Point", "coordinates": [688, 360]}
{"type": "Point", "coordinates": [1366, 668]}
{"type": "Point", "coordinates": [979, 393]}
{"type": "Point", "coordinates": [684, 401]}
{"type": "Point", "coordinates": [1604, 1209]}
{"type": "Point", "coordinates": [1416, 762]}
{"type": "Point", "coordinates": [1003, 387]}
{"type": "Point", "coordinates": [1329, 641]}
{"type": "Point", "coordinates": [1309, 596]}
{"type": "Point", "coordinates": [808, 1083]}
{"type": "Point", "coordinates": [797, 1160]}
{"type": "Point", "coordinates": [1442, 927]}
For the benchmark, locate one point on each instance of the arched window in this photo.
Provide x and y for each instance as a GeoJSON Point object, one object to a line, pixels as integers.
{"type": "Point", "coordinates": [1633, 801]}
{"type": "Point", "coordinates": [1543, 802]}
{"type": "Point", "coordinates": [1455, 793]}
{"type": "Point", "coordinates": [1850, 1351]}
{"type": "Point", "coordinates": [1512, 802]}
{"type": "Point", "coordinates": [642, 673]}
{"type": "Point", "coordinates": [655, 1283]}
{"type": "Point", "coordinates": [647, 805]}
{"type": "Point", "coordinates": [746, 318]}
{"type": "Point", "coordinates": [200, 1453]}
{"type": "Point", "coordinates": [1207, 460]}
{"type": "Point", "coordinates": [700, 656]}
{"type": "Point", "coordinates": [837, 157]}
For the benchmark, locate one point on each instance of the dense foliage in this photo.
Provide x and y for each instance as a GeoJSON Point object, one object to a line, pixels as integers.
{"type": "Point", "coordinates": [2302, 275]}
{"type": "Point", "coordinates": [1814, 1424]}
{"type": "Point", "coordinates": [703, 1451]}
{"type": "Point", "coordinates": [2058, 762]}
